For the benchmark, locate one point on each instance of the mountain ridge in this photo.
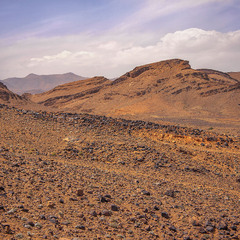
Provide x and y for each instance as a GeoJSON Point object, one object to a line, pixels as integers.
{"type": "Point", "coordinates": [34, 83]}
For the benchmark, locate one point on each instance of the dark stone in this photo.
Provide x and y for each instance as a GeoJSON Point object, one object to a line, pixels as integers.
{"type": "Point", "coordinates": [210, 229]}
{"type": "Point", "coordinates": [156, 208]}
{"type": "Point", "coordinates": [61, 200]}
{"type": "Point", "coordinates": [144, 192]}
{"type": "Point", "coordinates": [80, 192]}
{"type": "Point", "coordinates": [202, 230]}
{"type": "Point", "coordinates": [195, 223]}
{"type": "Point", "coordinates": [165, 215]}
{"type": "Point", "coordinates": [82, 227]}
{"type": "Point", "coordinates": [42, 217]}
{"type": "Point", "coordinates": [234, 228]}
{"type": "Point", "coordinates": [106, 213]}
{"type": "Point", "coordinates": [103, 199]}
{"type": "Point", "coordinates": [148, 228]}
{"type": "Point", "coordinates": [114, 207]}
{"type": "Point", "coordinates": [172, 228]}
{"type": "Point", "coordinates": [170, 193]}
{"type": "Point", "coordinates": [93, 213]}
{"type": "Point", "coordinates": [222, 226]}
{"type": "Point", "coordinates": [30, 223]}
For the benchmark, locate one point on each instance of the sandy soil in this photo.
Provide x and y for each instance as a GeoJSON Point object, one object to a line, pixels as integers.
{"type": "Point", "coordinates": [65, 176]}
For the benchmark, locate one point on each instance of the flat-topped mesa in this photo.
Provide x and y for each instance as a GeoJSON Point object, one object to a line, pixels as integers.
{"type": "Point", "coordinates": [173, 65]}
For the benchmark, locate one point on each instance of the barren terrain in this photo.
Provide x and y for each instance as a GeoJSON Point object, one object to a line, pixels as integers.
{"type": "Point", "coordinates": [166, 91]}
{"type": "Point", "coordinates": [80, 176]}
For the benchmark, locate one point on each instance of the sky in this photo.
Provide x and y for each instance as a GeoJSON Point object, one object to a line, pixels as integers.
{"type": "Point", "coordinates": [110, 37]}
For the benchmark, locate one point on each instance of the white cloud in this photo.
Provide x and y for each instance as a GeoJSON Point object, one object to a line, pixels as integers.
{"type": "Point", "coordinates": [112, 56]}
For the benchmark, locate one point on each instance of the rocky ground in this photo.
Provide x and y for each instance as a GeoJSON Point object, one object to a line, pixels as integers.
{"type": "Point", "coordinates": [69, 176]}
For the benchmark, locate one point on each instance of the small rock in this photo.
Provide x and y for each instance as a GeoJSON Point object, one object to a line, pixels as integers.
{"type": "Point", "coordinates": [165, 215]}
{"type": "Point", "coordinates": [30, 223]}
{"type": "Point", "coordinates": [38, 225]}
{"type": "Point", "coordinates": [195, 223]}
{"type": "Point", "coordinates": [51, 204]}
{"type": "Point", "coordinates": [222, 226]}
{"type": "Point", "coordinates": [202, 230]}
{"type": "Point", "coordinates": [114, 207]}
{"type": "Point", "coordinates": [12, 211]}
{"type": "Point", "coordinates": [19, 236]}
{"type": "Point", "coordinates": [42, 217]}
{"type": "Point", "coordinates": [61, 200]}
{"type": "Point", "coordinates": [209, 228]}
{"type": "Point", "coordinates": [79, 192]}
{"type": "Point", "coordinates": [27, 226]}
{"type": "Point", "coordinates": [170, 193]}
{"type": "Point", "coordinates": [93, 213]}
{"type": "Point", "coordinates": [234, 228]}
{"type": "Point", "coordinates": [156, 208]}
{"type": "Point", "coordinates": [172, 228]}
{"type": "Point", "coordinates": [82, 227]}
{"type": "Point", "coordinates": [148, 228]}
{"type": "Point", "coordinates": [144, 192]}
{"type": "Point", "coordinates": [106, 213]}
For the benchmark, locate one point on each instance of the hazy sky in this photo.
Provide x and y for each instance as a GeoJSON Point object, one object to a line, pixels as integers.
{"type": "Point", "coordinates": [110, 37]}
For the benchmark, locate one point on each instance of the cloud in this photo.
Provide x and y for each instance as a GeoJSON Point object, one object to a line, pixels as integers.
{"type": "Point", "coordinates": [151, 10]}
{"type": "Point", "coordinates": [112, 56]}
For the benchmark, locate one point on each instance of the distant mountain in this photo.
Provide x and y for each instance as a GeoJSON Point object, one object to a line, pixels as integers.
{"type": "Point", "coordinates": [39, 83]}
{"type": "Point", "coordinates": [168, 88]}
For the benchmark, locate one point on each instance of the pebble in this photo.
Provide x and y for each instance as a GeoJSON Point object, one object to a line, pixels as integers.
{"type": "Point", "coordinates": [170, 193]}
{"type": "Point", "coordinates": [80, 192]}
{"type": "Point", "coordinates": [82, 227]}
{"type": "Point", "coordinates": [222, 226]}
{"type": "Point", "coordinates": [114, 207]}
{"type": "Point", "coordinates": [144, 192]}
{"type": "Point", "coordinates": [106, 213]}
{"type": "Point", "coordinates": [93, 213]}
{"type": "Point", "coordinates": [165, 215]}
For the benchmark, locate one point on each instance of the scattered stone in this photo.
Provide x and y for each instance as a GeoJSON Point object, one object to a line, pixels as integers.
{"type": "Point", "coordinates": [172, 228]}
{"type": "Point", "coordinates": [82, 227]}
{"type": "Point", "coordinates": [144, 192]}
{"type": "Point", "coordinates": [93, 213]}
{"type": "Point", "coordinates": [170, 193]}
{"type": "Point", "coordinates": [210, 229]}
{"type": "Point", "coordinates": [222, 226]}
{"type": "Point", "coordinates": [106, 213]}
{"type": "Point", "coordinates": [80, 192]}
{"type": "Point", "coordinates": [38, 225]}
{"type": "Point", "coordinates": [165, 215]}
{"type": "Point", "coordinates": [12, 211]}
{"type": "Point", "coordinates": [50, 204]}
{"type": "Point", "coordinates": [148, 228]}
{"type": "Point", "coordinates": [114, 207]}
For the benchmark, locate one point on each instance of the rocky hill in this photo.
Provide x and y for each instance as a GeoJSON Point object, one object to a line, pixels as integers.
{"type": "Point", "coordinates": [33, 83]}
{"type": "Point", "coordinates": [6, 96]}
{"type": "Point", "coordinates": [169, 90]}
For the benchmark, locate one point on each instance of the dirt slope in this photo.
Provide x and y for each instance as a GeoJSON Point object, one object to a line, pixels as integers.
{"type": "Point", "coordinates": [6, 96]}
{"type": "Point", "coordinates": [168, 89]}
{"type": "Point", "coordinates": [72, 177]}
{"type": "Point", "coordinates": [235, 75]}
